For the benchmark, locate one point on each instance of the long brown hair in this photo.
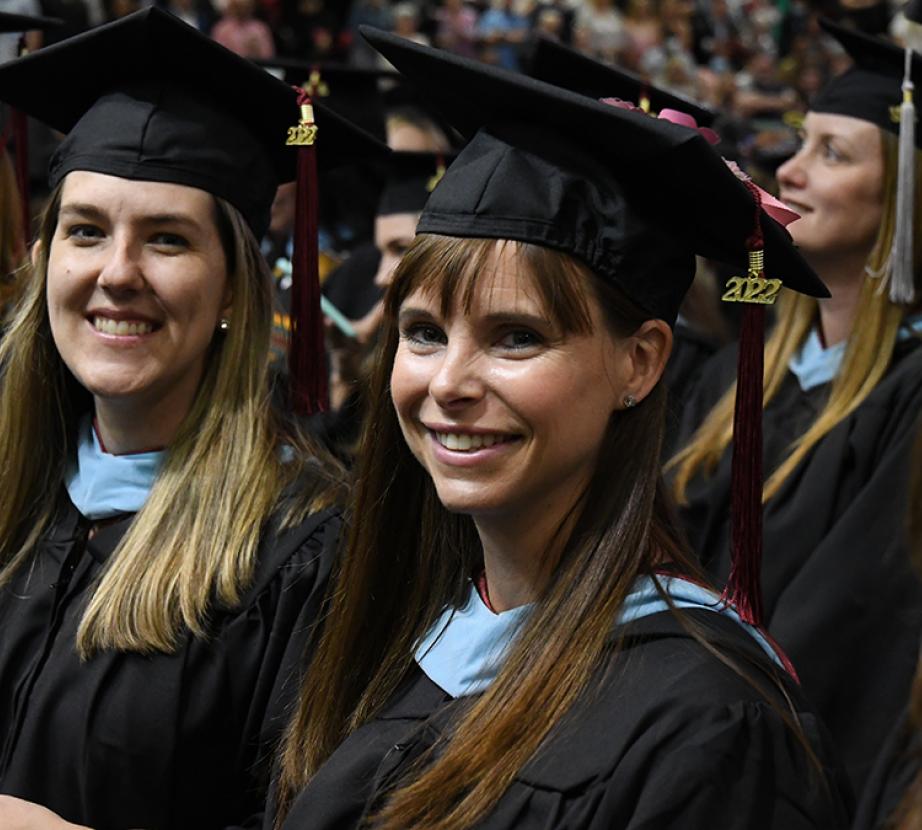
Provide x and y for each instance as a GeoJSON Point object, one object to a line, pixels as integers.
{"type": "Point", "coordinates": [622, 528]}
{"type": "Point", "coordinates": [196, 538]}
{"type": "Point", "coordinates": [868, 354]}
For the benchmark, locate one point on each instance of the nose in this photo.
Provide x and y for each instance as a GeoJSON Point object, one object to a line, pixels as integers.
{"type": "Point", "coordinates": [458, 379]}
{"type": "Point", "coordinates": [791, 174]}
{"type": "Point", "coordinates": [121, 273]}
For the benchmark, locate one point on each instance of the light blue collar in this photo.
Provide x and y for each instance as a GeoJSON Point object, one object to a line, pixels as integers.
{"type": "Point", "coordinates": [102, 485]}
{"type": "Point", "coordinates": [815, 366]}
{"type": "Point", "coordinates": [464, 650]}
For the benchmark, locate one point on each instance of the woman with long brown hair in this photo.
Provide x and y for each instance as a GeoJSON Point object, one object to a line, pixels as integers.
{"type": "Point", "coordinates": [165, 531]}
{"type": "Point", "coordinates": [515, 636]}
{"type": "Point", "coordinates": [843, 391]}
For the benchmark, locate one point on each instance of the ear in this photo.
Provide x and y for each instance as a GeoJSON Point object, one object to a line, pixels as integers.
{"type": "Point", "coordinates": [647, 351]}
{"type": "Point", "coordinates": [34, 253]}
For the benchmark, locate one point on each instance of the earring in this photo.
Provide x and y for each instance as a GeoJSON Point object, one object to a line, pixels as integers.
{"type": "Point", "coordinates": [629, 401]}
{"type": "Point", "coordinates": [224, 325]}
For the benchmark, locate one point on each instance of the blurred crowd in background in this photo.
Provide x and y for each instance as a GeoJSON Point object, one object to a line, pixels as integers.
{"type": "Point", "coordinates": [757, 62]}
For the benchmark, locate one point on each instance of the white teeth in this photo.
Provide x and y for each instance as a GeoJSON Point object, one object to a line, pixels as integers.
{"type": "Point", "coordinates": [121, 328]}
{"type": "Point", "coordinates": [464, 442]}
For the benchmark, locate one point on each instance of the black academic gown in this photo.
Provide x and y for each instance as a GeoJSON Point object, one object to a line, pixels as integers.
{"type": "Point", "coordinates": [840, 596]}
{"type": "Point", "coordinates": [162, 742]}
{"type": "Point", "coordinates": [671, 739]}
{"type": "Point", "coordinates": [899, 763]}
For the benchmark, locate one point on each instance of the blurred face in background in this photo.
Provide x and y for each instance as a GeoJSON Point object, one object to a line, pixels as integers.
{"type": "Point", "coordinates": [835, 181]}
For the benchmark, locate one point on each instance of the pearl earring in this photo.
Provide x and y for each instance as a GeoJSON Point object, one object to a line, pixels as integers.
{"type": "Point", "coordinates": [224, 325]}
{"type": "Point", "coordinates": [629, 401]}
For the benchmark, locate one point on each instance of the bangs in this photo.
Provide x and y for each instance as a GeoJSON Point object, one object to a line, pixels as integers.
{"type": "Point", "coordinates": [453, 269]}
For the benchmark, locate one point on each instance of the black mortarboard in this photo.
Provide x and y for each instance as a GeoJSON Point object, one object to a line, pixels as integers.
{"type": "Point", "coordinates": [352, 92]}
{"type": "Point", "coordinates": [871, 88]}
{"type": "Point", "coordinates": [411, 178]}
{"type": "Point", "coordinates": [632, 196]}
{"type": "Point", "coordinates": [565, 67]}
{"type": "Point", "coordinates": [150, 98]}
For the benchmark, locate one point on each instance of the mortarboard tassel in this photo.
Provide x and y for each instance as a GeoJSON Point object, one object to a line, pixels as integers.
{"type": "Point", "coordinates": [306, 364]}
{"type": "Point", "coordinates": [744, 586]}
{"type": "Point", "coordinates": [21, 139]}
{"type": "Point", "coordinates": [902, 282]}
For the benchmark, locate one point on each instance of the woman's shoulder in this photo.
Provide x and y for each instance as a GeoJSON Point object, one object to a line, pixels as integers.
{"type": "Point", "coordinates": [295, 550]}
{"type": "Point", "coordinates": [672, 730]}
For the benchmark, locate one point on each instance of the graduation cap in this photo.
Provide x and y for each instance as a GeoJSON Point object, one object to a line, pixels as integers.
{"type": "Point", "coordinates": [182, 109]}
{"type": "Point", "coordinates": [565, 67]}
{"type": "Point", "coordinates": [411, 178]}
{"type": "Point", "coordinates": [633, 197]}
{"type": "Point", "coordinates": [353, 92]}
{"type": "Point", "coordinates": [879, 88]}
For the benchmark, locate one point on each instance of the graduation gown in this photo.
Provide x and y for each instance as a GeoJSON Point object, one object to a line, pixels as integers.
{"type": "Point", "coordinates": [672, 738]}
{"type": "Point", "coordinates": [159, 742]}
{"type": "Point", "coordinates": [840, 596]}
{"type": "Point", "coordinates": [899, 763]}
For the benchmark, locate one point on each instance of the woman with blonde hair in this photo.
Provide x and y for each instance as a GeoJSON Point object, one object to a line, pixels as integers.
{"type": "Point", "coordinates": [843, 391]}
{"type": "Point", "coordinates": [165, 532]}
{"type": "Point", "coordinates": [540, 653]}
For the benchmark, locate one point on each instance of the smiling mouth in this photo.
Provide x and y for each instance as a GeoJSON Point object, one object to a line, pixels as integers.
{"type": "Point", "coordinates": [798, 206]}
{"type": "Point", "coordinates": [122, 328]}
{"type": "Point", "coordinates": [465, 442]}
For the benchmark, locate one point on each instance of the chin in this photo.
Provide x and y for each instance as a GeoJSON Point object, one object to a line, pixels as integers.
{"type": "Point", "coordinates": [472, 502]}
{"type": "Point", "coordinates": [111, 386]}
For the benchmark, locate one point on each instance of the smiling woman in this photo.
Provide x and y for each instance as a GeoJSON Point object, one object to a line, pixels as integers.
{"type": "Point", "coordinates": [135, 296]}
{"type": "Point", "coordinates": [542, 654]}
{"type": "Point", "coordinates": [165, 530]}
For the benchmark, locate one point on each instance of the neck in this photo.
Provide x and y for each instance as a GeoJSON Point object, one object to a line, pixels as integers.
{"type": "Point", "coordinates": [520, 551]}
{"type": "Point", "coordinates": [844, 279]}
{"type": "Point", "coordinates": [132, 426]}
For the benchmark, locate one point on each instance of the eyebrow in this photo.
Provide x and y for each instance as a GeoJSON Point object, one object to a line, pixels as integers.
{"type": "Point", "coordinates": [497, 318]}
{"type": "Point", "coordinates": [501, 317]}
{"type": "Point", "coordinates": [90, 211]}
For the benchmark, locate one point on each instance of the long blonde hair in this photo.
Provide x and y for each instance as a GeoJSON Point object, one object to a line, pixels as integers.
{"type": "Point", "coordinates": [195, 540]}
{"type": "Point", "coordinates": [866, 360]}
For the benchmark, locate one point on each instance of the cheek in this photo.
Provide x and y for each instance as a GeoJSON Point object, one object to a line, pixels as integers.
{"type": "Point", "coordinates": [409, 381]}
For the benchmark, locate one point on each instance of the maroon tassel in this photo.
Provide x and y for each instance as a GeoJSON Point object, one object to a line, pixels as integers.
{"type": "Point", "coordinates": [21, 139]}
{"type": "Point", "coordinates": [744, 587]}
{"type": "Point", "coordinates": [306, 363]}
{"type": "Point", "coordinates": [744, 584]}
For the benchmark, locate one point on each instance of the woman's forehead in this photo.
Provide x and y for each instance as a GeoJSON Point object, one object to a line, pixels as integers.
{"type": "Point", "coordinates": [503, 282]}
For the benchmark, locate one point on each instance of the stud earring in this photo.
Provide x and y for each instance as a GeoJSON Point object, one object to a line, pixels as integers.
{"type": "Point", "coordinates": [224, 325]}
{"type": "Point", "coordinates": [629, 401]}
